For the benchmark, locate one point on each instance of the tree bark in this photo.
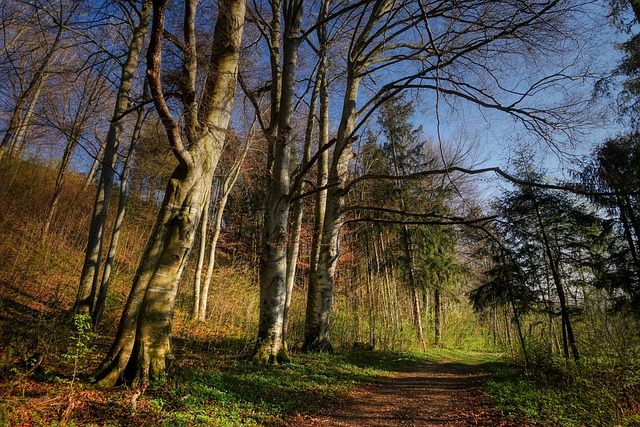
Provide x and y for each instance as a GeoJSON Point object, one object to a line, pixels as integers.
{"type": "Point", "coordinates": [72, 143]}
{"type": "Point", "coordinates": [87, 287]}
{"type": "Point", "coordinates": [297, 212]}
{"type": "Point", "coordinates": [558, 284]}
{"type": "Point", "coordinates": [437, 321]}
{"type": "Point", "coordinates": [94, 168]}
{"type": "Point", "coordinates": [122, 204]}
{"type": "Point", "coordinates": [320, 295]}
{"type": "Point", "coordinates": [142, 348]}
{"type": "Point", "coordinates": [204, 220]}
{"type": "Point", "coordinates": [321, 282]}
{"type": "Point", "coordinates": [273, 263]}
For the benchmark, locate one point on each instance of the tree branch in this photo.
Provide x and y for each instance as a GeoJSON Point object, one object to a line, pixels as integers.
{"type": "Point", "coordinates": [154, 61]}
{"type": "Point", "coordinates": [575, 188]}
{"type": "Point", "coordinates": [299, 175]}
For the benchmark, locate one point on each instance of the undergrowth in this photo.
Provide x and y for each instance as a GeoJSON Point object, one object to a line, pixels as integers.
{"type": "Point", "coordinates": [218, 391]}
{"type": "Point", "coordinates": [555, 392]}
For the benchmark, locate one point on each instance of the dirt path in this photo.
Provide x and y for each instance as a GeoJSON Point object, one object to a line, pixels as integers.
{"type": "Point", "coordinates": [437, 394]}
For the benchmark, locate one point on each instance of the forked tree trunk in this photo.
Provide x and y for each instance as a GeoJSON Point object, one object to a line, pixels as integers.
{"type": "Point", "coordinates": [320, 295]}
{"type": "Point", "coordinates": [142, 348]}
{"type": "Point", "coordinates": [273, 263]}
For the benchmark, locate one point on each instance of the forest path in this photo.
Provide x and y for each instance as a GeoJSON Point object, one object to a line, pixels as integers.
{"type": "Point", "coordinates": [434, 394]}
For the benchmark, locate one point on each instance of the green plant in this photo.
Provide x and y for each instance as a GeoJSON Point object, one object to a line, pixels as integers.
{"type": "Point", "coordinates": [553, 392]}
{"type": "Point", "coordinates": [78, 353]}
{"type": "Point", "coordinates": [80, 347]}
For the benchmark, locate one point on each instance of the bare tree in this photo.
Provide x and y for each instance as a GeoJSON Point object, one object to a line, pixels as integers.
{"type": "Point", "coordinates": [117, 226]}
{"type": "Point", "coordinates": [71, 117]}
{"type": "Point", "coordinates": [449, 48]}
{"type": "Point", "coordinates": [51, 21]}
{"type": "Point", "coordinates": [142, 347]}
{"type": "Point", "coordinates": [283, 45]}
{"type": "Point", "coordinates": [85, 299]}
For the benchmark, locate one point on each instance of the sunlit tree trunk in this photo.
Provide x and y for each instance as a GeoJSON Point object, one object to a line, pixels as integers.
{"type": "Point", "coordinates": [223, 196]}
{"type": "Point", "coordinates": [320, 296]}
{"type": "Point", "coordinates": [85, 299]}
{"type": "Point", "coordinates": [322, 176]}
{"type": "Point", "coordinates": [204, 220]}
{"type": "Point", "coordinates": [115, 235]}
{"type": "Point", "coordinates": [142, 347]}
{"type": "Point", "coordinates": [417, 313]}
{"type": "Point", "coordinates": [273, 263]}
{"type": "Point", "coordinates": [297, 212]}
{"type": "Point", "coordinates": [94, 168]}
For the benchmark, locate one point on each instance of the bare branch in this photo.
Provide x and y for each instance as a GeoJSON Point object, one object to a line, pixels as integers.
{"type": "Point", "coordinates": [154, 61]}
{"type": "Point", "coordinates": [575, 188]}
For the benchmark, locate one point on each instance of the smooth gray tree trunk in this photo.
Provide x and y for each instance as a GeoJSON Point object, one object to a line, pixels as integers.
{"type": "Point", "coordinates": [320, 295]}
{"type": "Point", "coordinates": [273, 263]}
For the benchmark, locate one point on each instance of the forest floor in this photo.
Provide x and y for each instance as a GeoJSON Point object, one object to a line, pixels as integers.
{"type": "Point", "coordinates": [433, 394]}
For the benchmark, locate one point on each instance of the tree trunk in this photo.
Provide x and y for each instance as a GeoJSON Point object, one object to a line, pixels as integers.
{"type": "Point", "coordinates": [122, 204]}
{"type": "Point", "coordinates": [320, 295]}
{"type": "Point", "coordinates": [417, 313]}
{"type": "Point", "coordinates": [34, 83]}
{"type": "Point", "coordinates": [217, 228]}
{"type": "Point", "coordinates": [223, 196]}
{"type": "Point", "coordinates": [94, 168]}
{"type": "Point", "coordinates": [72, 143]}
{"type": "Point", "coordinates": [204, 220]}
{"type": "Point", "coordinates": [297, 210]}
{"type": "Point", "coordinates": [273, 263]}
{"type": "Point", "coordinates": [558, 284]}
{"type": "Point", "coordinates": [18, 142]}
{"type": "Point", "coordinates": [89, 277]}
{"type": "Point", "coordinates": [437, 321]}
{"type": "Point", "coordinates": [142, 348]}
{"type": "Point", "coordinates": [516, 318]}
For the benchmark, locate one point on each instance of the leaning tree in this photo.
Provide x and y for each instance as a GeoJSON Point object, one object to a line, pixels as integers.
{"type": "Point", "coordinates": [142, 347]}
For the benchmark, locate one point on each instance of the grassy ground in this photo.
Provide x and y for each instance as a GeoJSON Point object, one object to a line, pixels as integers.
{"type": "Point", "coordinates": [560, 393]}
{"type": "Point", "coordinates": [205, 390]}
